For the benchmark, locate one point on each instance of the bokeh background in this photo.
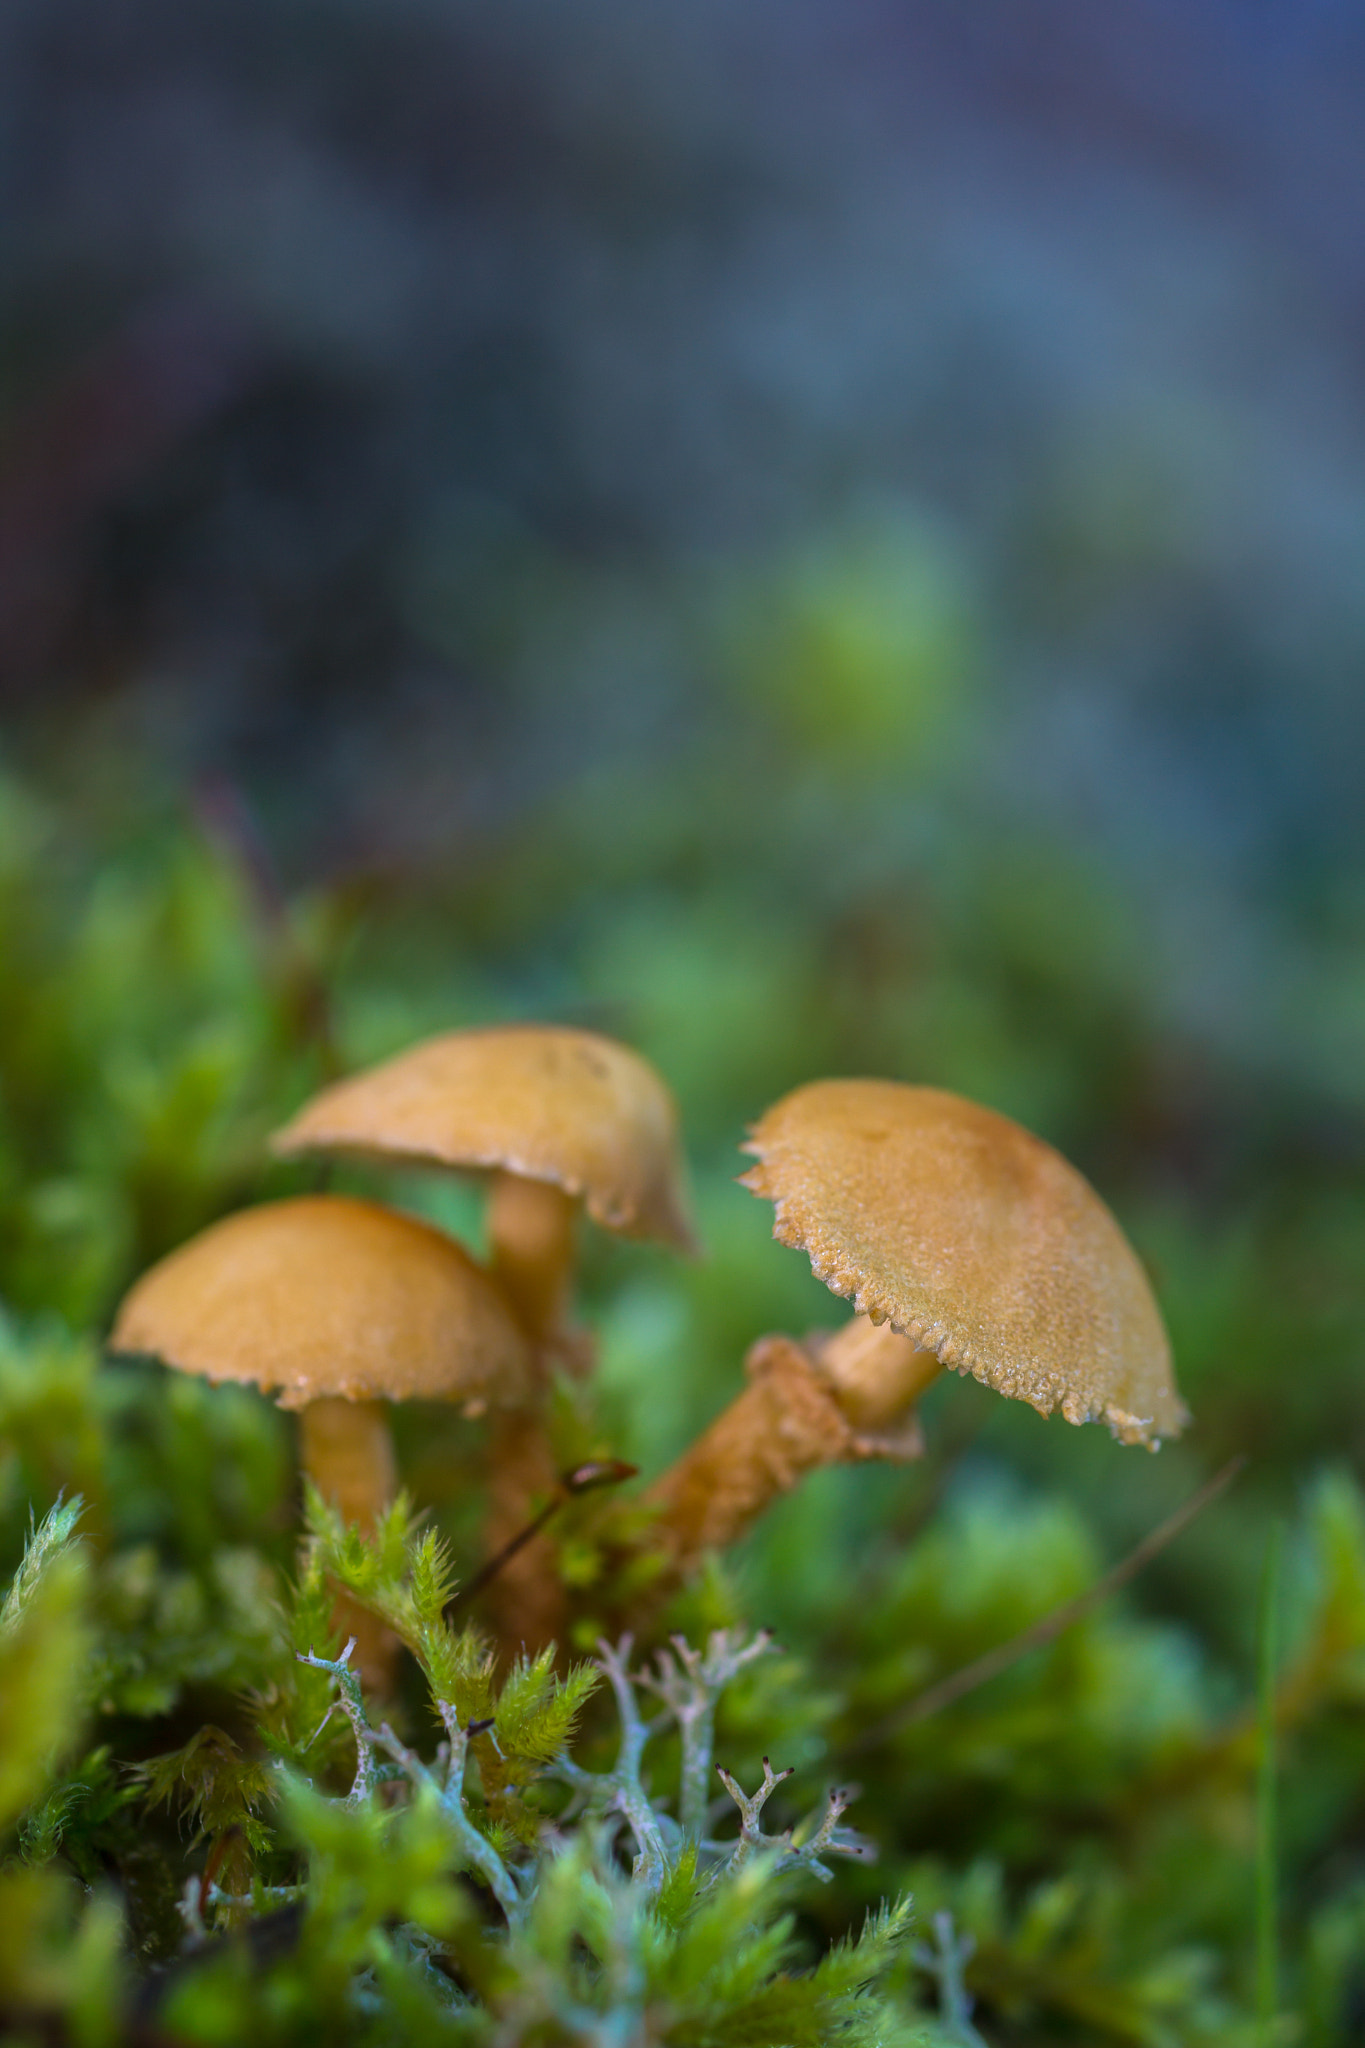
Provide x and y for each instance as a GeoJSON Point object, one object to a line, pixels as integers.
{"type": "Point", "coordinates": [815, 538]}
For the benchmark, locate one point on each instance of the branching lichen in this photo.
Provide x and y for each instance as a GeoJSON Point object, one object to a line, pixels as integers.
{"type": "Point", "coordinates": [622, 1903]}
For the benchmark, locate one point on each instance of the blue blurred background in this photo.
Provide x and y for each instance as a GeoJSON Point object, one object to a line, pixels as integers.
{"type": "Point", "coordinates": [422, 409]}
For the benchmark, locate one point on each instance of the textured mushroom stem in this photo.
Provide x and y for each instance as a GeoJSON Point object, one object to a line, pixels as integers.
{"type": "Point", "coordinates": [786, 1423]}
{"type": "Point", "coordinates": [875, 1374]}
{"type": "Point", "coordinates": [347, 1451]}
{"type": "Point", "coordinates": [531, 1244]}
{"type": "Point", "coordinates": [804, 1407]}
{"type": "Point", "coordinates": [525, 1603]}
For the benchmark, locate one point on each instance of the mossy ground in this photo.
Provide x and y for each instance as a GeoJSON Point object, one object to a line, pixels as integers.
{"type": "Point", "coordinates": [1087, 1820]}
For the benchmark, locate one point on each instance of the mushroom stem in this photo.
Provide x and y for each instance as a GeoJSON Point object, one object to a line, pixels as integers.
{"type": "Point", "coordinates": [527, 1599]}
{"type": "Point", "coordinates": [531, 1249]}
{"type": "Point", "coordinates": [531, 1243]}
{"type": "Point", "coordinates": [787, 1422]}
{"type": "Point", "coordinates": [346, 1449]}
{"type": "Point", "coordinates": [875, 1373]}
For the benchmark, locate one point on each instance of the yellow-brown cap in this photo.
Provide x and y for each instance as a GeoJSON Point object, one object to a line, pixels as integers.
{"type": "Point", "coordinates": [542, 1100]}
{"type": "Point", "coordinates": [324, 1295]}
{"type": "Point", "coordinates": [975, 1238]}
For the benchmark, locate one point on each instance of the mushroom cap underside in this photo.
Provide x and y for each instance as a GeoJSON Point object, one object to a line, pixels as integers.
{"type": "Point", "coordinates": [553, 1103]}
{"type": "Point", "coordinates": [974, 1238]}
{"type": "Point", "coordinates": [326, 1295]}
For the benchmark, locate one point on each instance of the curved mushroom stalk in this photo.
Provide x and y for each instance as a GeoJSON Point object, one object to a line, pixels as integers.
{"type": "Point", "coordinates": [876, 1374]}
{"type": "Point", "coordinates": [802, 1409]}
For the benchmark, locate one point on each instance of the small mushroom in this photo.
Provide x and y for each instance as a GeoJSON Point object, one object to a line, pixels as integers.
{"type": "Point", "coordinates": [976, 1239]}
{"type": "Point", "coordinates": [559, 1117]}
{"type": "Point", "coordinates": [339, 1305]}
{"type": "Point", "coordinates": [962, 1241]}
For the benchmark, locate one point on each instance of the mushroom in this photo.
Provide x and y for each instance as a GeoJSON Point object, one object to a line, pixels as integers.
{"type": "Point", "coordinates": [980, 1248]}
{"type": "Point", "coordinates": [340, 1305]}
{"type": "Point", "coordinates": [559, 1117]}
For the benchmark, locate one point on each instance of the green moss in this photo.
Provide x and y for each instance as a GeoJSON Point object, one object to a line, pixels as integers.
{"type": "Point", "coordinates": [183, 1851]}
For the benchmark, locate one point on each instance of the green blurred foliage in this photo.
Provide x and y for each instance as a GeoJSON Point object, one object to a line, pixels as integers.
{"type": "Point", "coordinates": [860, 645]}
{"type": "Point", "coordinates": [144, 1046]}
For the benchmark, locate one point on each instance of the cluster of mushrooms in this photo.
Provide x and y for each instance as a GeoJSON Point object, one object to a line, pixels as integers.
{"type": "Point", "coordinates": [961, 1240]}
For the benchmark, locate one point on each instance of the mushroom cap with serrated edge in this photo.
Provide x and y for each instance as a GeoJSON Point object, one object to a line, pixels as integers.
{"type": "Point", "coordinates": [543, 1100]}
{"type": "Point", "coordinates": [975, 1238]}
{"type": "Point", "coordinates": [324, 1295]}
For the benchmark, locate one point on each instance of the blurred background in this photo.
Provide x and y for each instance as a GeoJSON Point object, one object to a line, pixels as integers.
{"type": "Point", "coordinates": [815, 538]}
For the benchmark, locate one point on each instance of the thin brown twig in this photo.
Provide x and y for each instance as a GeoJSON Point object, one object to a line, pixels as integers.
{"type": "Point", "coordinates": [958, 1683]}
{"type": "Point", "coordinates": [582, 1479]}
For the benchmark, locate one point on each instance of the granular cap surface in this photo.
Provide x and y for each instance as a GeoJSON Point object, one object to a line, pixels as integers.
{"type": "Point", "coordinates": [974, 1238]}
{"type": "Point", "coordinates": [547, 1101]}
{"type": "Point", "coordinates": [325, 1295]}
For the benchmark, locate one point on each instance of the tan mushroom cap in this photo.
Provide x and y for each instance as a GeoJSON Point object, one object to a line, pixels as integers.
{"type": "Point", "coordinates": [324, 1295]}
{"type": "Point", "coordinates": [542, 1100]}
{"type": "Point", "coordinates": [975, 1238]}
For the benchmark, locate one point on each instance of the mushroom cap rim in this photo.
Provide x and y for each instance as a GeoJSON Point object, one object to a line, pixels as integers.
{"type": "Point", "coordinates": [616, 1218]}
